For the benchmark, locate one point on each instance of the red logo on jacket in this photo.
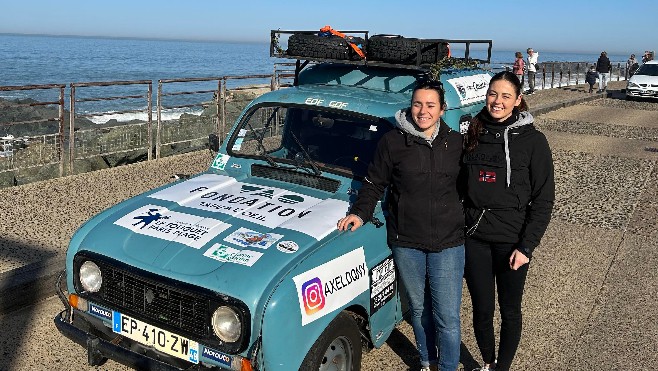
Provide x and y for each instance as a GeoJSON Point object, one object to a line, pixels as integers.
{"type": "Point", "coordinates": [487, 176]}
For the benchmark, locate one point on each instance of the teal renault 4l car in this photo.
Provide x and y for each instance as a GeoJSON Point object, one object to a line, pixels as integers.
{"type": "Point", "coordinates": [241, 267]}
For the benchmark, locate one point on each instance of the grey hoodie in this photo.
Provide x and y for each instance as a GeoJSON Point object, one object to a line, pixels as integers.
{"type": "Point", "coordinates": [406, 123]}
{"type": "Point", "coordinates": [525, 118]}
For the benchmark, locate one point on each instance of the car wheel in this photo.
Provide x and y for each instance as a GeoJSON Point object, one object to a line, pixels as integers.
{"type": "Point", "coordinates": [338, 348]}
{"type": "Point", "coordinates": [628, 97]}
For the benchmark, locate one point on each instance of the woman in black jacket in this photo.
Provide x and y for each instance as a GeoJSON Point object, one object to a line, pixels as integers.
{"type": "Point", "coordinates": [510, 194]}
{"type": "Point", "coordinates": [419, 163]}
{"type": "Point", "coordinates": [603, 67]}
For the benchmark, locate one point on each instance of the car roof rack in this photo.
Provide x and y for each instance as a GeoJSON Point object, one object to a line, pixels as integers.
{"type": "Point", "coordinates": [420, 54]}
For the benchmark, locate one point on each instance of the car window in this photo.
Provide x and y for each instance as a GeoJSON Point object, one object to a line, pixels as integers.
{"type": "Point", "coordinates": [332, 139]}
{"type": "Point", "coordinates": [648, 70]}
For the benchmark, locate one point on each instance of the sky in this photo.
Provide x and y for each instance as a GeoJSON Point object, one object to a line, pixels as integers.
{"type": "Point", "coordinates": [580, 26]}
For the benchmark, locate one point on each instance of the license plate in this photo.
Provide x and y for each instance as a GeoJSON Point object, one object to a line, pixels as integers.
{"type": "Point", "coordinates": [156, 337]}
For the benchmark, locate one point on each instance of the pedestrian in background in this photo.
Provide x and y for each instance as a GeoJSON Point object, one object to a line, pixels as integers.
{"type": "Point", "coordinates": [632, 65]}
{"type": "Point", "coordinates": [533, 58]}
{"type": "Point", "coordinates": [519, 66]}
{"type": "Point", "coordinates": [603, 67]}
{"type": "Point", "coordinates": [419, 164]}
{"type": "Point", "coordinates": [646, 57]}
{"type": "Point", "coordinates": [508, 204]}
{"type": "Point", "coordinates": [591, 77]}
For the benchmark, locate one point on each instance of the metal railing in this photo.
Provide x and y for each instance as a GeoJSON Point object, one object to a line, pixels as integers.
{"type": "Point", "coordinates": [95, 135]}
{"type": "Point", "coordinates": [558, 74]}
{"type": "Point", "coordinates": [215, 119]}
{"type": "Point", "coordinates": [43, 146]}
{"type": "Point", "coordinates": [86, 143]}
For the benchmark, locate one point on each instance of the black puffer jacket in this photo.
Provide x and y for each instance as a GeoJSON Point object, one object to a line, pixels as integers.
{"type": "Point", "coordinates": [424, 208]}
{"type": "Point", "coordinates": [603, 64]}
{"type": "Point", "coordinates": [511, 192]}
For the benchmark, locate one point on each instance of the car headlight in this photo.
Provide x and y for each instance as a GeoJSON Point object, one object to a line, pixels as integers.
{"type": "Point", "coordinates": [226, 324]}
{"type": "Point", "coordinates": [90, 276]}
{"type": "Point", "coordinates": [632, 85]}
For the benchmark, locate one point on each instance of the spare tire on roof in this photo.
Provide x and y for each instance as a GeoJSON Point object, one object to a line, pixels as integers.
{"type": "Point", "coordinates": [323, 47]}
{"type": "Point", "coordinates": [403, 50]}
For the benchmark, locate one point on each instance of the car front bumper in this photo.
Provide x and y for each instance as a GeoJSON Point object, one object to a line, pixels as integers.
{"type": "Point", "coordinates": [99, 348]}
{"type": "Point", "coordinates": [642, 93]}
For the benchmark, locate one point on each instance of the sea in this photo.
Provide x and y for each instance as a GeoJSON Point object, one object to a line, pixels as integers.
{"type": "Point", "coordinates": [42, 59]}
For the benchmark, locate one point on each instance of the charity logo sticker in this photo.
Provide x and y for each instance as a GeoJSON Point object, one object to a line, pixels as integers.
{"type": "Point", "coordinates": [288, 247]}
{"type": "Point", "coordinates": [330, 286]}
{"type": "Point", "coordinates": [248, 238]}
{"type": "Point", "coordinates": [159, 222]}
{"type": "Point", "coordinates": [229, 254]}
{"type": "Point", "coordinates": [471, 89]}
{"type": "Point", "coordinates": [266, 206]}
{"type": "Point", "coordinates": [220, 161]}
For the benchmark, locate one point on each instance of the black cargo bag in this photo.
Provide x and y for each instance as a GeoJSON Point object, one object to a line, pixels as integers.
{"type": "Point", "coordinates": [403, 50]}
{"type": "Point", "coordinates": [323, 47]}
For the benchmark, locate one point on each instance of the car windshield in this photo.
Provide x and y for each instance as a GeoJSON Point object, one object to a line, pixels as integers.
{"type": "Point", "coordinates": [307, 137]}
{"type": "Point", "coordinates": [648, 70]}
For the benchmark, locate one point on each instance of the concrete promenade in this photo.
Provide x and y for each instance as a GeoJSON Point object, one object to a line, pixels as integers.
{"type": "Point", "coordinates": [590, 300]}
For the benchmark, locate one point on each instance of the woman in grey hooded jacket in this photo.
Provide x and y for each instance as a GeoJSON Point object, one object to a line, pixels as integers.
{"type": "Point", "coordinates": [419, 164]}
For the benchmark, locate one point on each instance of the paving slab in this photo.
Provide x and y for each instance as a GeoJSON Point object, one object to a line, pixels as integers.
{"type": "Point", "coordinates": [621, 333]}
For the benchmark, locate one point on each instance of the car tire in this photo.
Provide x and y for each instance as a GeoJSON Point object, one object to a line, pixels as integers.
{"type": "Point", "coordinates": [322, 47]}
{"type": "Point", "coordinates": [403, 50]}
{"type": "Point", "coordinates": [340, 343]}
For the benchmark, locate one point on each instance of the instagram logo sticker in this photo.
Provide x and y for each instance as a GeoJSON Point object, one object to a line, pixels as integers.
{"type": "Point", "coordinates": [313, 295]}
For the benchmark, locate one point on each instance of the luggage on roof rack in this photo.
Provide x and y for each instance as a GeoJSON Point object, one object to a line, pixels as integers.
{"type": "Point", "coordinates": [325, 47]}
{"type": "Point", "coordinates": [381, 50]}
{"type": "Point", "coordinates": [403, 50]}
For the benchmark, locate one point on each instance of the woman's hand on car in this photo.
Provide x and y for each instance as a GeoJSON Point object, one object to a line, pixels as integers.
{"type": "Point", "coordinates": [344, 223]}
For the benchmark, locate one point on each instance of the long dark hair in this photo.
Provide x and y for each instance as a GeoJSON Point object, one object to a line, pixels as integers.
{"type": "Point", "coordinates": [475, 127]}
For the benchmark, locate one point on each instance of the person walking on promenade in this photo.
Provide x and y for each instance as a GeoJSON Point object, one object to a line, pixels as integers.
{"type": "Point", "coordinates": [603, 67]}
{"type": "Point", "coordinates": [519, 66]}
{"type": "Point", "coordinates": [419, 163]}
{"type": "Point", "coordinates": [590, 78]}
{"type": "Point", "coordinates": [509, 200]}
{"type": "Point", "coordinates": [648, 56]}
{"type": "Point", "coordinates": [632, 65]}
{"type": "Point", "coordinates": [533, 58]}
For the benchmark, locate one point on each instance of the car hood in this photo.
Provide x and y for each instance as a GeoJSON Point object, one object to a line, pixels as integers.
{"type": "Point", "coordinates": [644, 79]}
{"type": "Point", "coordinates": [213, 231]}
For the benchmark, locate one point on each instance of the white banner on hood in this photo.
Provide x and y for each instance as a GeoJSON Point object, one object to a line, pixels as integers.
{"type": "Point", "coordinates": [331, 285]}
{"type": "Point", "coordinates": [159, 222]}
{"type": "Point", "coordinates": [471, 89]}
{"type": "Point", "coordinates": [268, 206]}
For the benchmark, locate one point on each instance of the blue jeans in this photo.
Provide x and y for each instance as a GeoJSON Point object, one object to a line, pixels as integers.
{"type": "Point", "coordinates": [434, 312]}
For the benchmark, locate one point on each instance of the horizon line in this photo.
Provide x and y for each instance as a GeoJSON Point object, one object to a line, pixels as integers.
{"type": "Point", "coordinates": [210, 40]}
{"type": "Point", "coordinates": [145, 38]}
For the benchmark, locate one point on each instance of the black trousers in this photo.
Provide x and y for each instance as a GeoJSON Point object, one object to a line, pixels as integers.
{"type": "Point", "coordinates": [487, 269]}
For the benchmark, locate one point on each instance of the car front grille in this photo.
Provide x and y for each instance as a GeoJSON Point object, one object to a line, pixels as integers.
{"type": "Point", "coordinates": [155, 302]}
{"type": "Point", "coordinates": [172, 305]}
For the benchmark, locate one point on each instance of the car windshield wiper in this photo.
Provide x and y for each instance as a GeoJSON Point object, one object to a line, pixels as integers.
{"type": "Point", "coordinates": [259, 139]}
{"type": "Point", "coordinates": [315, 168]}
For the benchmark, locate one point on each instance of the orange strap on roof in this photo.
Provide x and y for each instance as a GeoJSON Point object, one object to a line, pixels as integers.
{"type": "Point", "coordinates": [347, 38]}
